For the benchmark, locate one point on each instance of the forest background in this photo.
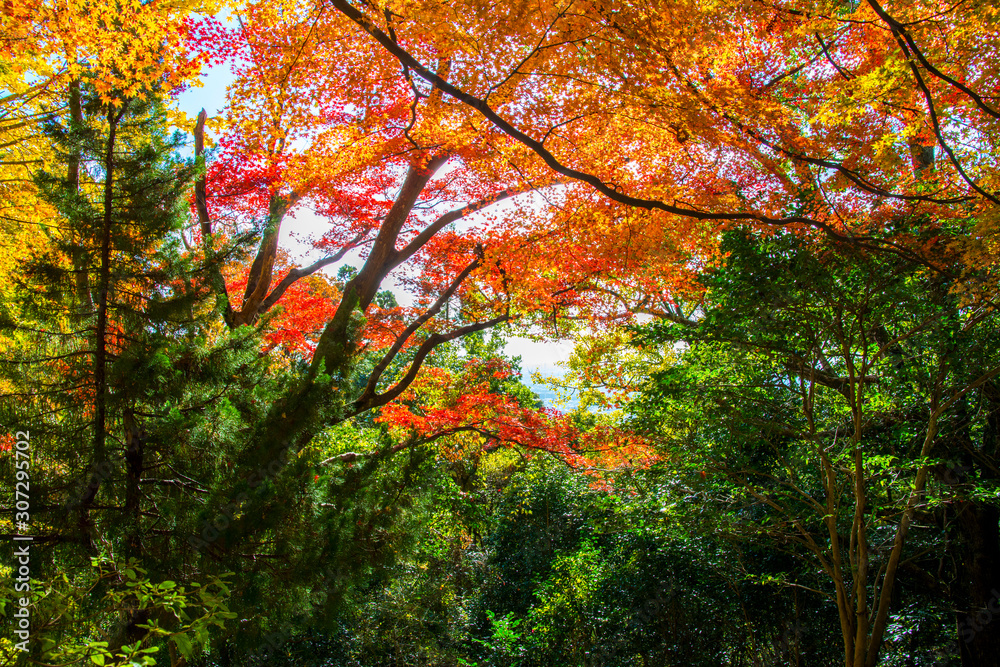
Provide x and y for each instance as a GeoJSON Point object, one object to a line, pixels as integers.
{"type": "Point", "coordinates": [769, 228]}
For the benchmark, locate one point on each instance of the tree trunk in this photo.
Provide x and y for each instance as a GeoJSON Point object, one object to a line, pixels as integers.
{"type": "Point", "coordinates": [976, 592]}
{"type": "Point", "coordinates": [978, 587]}
{"type": "Point", "coordinates": [134, 454]}
{"type": "Point", "coordinates": [85, 304]}
{"type": "Point", "coordinates": [101, 332]}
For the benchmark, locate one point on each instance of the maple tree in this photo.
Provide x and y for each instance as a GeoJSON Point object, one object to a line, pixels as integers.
{"type": "Point", "coordinates": [734, 139]}
{"type": "Point", "coordinates": [295, 143]}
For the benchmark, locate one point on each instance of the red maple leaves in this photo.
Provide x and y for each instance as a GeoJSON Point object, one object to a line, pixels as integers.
{"type": "Point", "coordinates": [471, 409]}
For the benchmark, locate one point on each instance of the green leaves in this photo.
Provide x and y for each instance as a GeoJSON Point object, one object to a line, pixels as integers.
{"type": "Point", "coordinates": [805, 394]}
{"type": "Point", "coordinates": [184, 645]}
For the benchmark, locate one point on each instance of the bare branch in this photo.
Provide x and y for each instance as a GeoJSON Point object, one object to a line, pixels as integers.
{"type": "Point", "coordinates": [295, 274]}
{"type": "Point", "coordinates": [410, 330]}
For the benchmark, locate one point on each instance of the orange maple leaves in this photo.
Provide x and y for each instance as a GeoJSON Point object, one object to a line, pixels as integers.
{"type": "Point", "coordinates": [785, 114]}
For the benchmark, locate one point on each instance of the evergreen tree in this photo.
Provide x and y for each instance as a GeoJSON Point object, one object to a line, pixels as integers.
{"type": "Point", "coordinates": [117, 343]}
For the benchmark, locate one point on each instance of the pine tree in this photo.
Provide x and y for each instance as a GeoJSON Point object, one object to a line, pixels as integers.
{"type": "Point", "coordinates": [114, 323]}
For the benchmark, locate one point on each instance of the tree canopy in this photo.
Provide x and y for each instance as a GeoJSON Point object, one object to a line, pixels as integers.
{"type": "Point", "coordinates": [770, 229]}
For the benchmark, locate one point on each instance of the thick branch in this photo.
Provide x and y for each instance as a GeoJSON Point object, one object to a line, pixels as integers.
{"type": "Point", "coordinates": [296, 274]}
{"type": "Point", "coordinates": [215, 278]}
{"type": "Point", "coordinates": [376, 374]}
{"type": "Point", "coordinates": [384, 255]}
{"type": "Point", "coordinates": [262, 269]}
{"type": "Point", "coordinates": [332, 350]}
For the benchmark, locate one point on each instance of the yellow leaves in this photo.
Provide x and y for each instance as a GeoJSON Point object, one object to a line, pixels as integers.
{"type": "Point", "coordinates": [983, 248]}
{"type": "Point", "coordinates": [124, 46]}
{"type": "Point", "coordinates": [605, 369]}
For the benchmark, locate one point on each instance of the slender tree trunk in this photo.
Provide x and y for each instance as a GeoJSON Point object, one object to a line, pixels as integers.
{"type": "Point", "coordinates": [977, 550]}
{"type": "Point", "coordinates": [889, 579]}
{"type": "Point", "coordinates": [101, 332]}
{"type": "Point", "coordinates": [84, 302]}
{"type": "Point", "coordinates": [859, 548]}
{"type": "Point", "coordinates": [836, 561]}
{"type": "Point", "coordinates": [134, 455]}
{"type": "Point", "coordinates": [104, 277]}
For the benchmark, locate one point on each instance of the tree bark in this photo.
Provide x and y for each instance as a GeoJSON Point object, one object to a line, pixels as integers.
{"type": "Point", "coordinates": [215, 277]}
{"type": "Point", "coordinates": [99, 454]}
{"type": "Point", "coordinates": [977, 551]}
{"type": "Point", "coordinates": [85, 303]}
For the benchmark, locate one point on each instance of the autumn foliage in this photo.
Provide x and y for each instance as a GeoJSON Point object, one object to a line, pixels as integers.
{"type": "Point", "coordinates": [582, 158]}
